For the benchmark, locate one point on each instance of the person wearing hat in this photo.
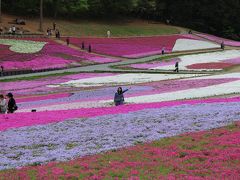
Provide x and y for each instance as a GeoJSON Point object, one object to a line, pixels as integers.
{"type": "Point", "coordinates": [11, 104]}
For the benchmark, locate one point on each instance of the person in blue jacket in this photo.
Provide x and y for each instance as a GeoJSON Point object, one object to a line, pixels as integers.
{"type": "Point", "coordinates": [119, 97]}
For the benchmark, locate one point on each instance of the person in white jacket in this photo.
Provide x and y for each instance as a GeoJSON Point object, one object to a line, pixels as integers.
{"type": "Point", "coordinates": [3, 105]}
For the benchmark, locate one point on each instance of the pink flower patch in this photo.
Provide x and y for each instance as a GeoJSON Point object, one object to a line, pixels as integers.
{"type": "Point", "coordinates": [134, 47]}
{"type": "Point", "coordinates": [57, 171]}
{"type": "Point", "coordinates": [53, 55]}
{"type": "Point", "coordinates": [18, 120]}
{"type": "Point", "coordinates": [42, 62]}
{"type": "Point", "coordinates": [39, 98]}
{"type": "Point", "coordinates": [210, 66]}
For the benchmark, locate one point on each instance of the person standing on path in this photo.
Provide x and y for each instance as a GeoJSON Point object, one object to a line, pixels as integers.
{"type": "Point", "coordinates": [68, 41]}
{"type": "Point", "coordinates": [54, 26]}
{"type": "Point", "coordinates": [108, 34]}
{"type": "Point", "coordinates": [89, 48]}
{"type": "Point", "coordinates": [222, 46]}
{"type": "Point", "coordinates": [163, 51]}
{"type": "Point", "coordinates": [119, 97]}
{"type": "Point", "coordinates": [176, 67]}
{"type": "Point", "coordinates": [83, 46]}
{"type": "Point", "coordinates": [2, 71]}
{"type": "Point", "coordinates": [13, 30]}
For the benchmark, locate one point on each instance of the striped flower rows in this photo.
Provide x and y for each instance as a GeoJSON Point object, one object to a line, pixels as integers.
{"type": "Point", "coordinates": [83, 136]}
{"type": "Point", "coordinates": [76, 116]}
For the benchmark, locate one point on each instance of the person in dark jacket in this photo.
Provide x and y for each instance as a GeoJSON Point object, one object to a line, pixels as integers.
{"type": "Point", "coordinates": [90, 48]}
{"type": "Point", "coordinates": [119, 98]}
{"type": "Point", "coordinates": [83, 45]}
{"type": "Point", "coordinates": [11, 104]}
{"type": "Point", "coordinates": [222, 46]}
{"type": "Point", "coordinates": [2, 71]}
{"type": "Point", "coordinates": [68, 41]}
{"type": "Point", "coordinates": [176, 67]}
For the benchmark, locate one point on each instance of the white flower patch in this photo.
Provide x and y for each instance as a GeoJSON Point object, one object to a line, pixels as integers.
{"type": "Point", "coordinates": [123, 79]}
{"type": "Point", "coordinates": [69, 106]}
{"type": "Point", "coordinates": [23, 46]}
{"type": "Point", "coordinates": [210, 91]}
{"type": "Point", "coordinates": [190, 44]}
{"type": "Point", "coordinates": [202, 58]}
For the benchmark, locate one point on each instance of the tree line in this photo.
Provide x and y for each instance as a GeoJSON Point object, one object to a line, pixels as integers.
{"type": "Point", "coordinates": [220, 17]}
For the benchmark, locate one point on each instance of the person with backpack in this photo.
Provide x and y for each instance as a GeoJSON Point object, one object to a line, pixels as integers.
{"type": "Point", "coordinates": [12, 106]}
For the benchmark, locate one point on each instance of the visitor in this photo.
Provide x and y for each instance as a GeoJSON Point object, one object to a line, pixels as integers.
{"type": "Point", "coordinates": [163, 51]}
{"type": "Point", "coordinates": [10, 30]}
{"type": "Point", "coordinates": [12, 107]}
{"type": "Point", "coordinates": [2, 70]}
{"type": "Point", "coordinates": [83, 46]}
{"type": "Point", "coordinates": [89, 48]}
{"type": "Point", "coordinates": [108, 34]}
{"type": "Point", "coordinates": [13, 30]}
{"type": "Point", "coordinates": [48, 32]}
{"type": "Point", "coordinates": [190, 31]}
{"type": "Point", "coordinates": [3, 105]}
{"type": "Point", "coordinates": [222, 46]}
{"type": "Point", "coordinates": [119, 98]}
{"type": "Point", "coordinates": [54, 26]}
{"type": "Point", "coordinates": [1, 30]}
{"type": "Point", "coordinates": [57, 34]}
{"type": "Point", "coordinates": [68, 41]}
{"type": "Point", "coordinates": [176, 67]}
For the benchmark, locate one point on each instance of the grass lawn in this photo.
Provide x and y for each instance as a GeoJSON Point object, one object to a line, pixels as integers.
{"type": "Point", "coordinates": [97, 28]}
{"type": "Point", "coordinates": [117, 30]}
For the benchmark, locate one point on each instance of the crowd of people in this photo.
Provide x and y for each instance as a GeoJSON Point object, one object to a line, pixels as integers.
{"type": "Point", "coordinates": [7, 104]}
{"type": "Point", "coordinates": [13, 30]}
{"type": "Point", "coordinates": [51, 31]}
